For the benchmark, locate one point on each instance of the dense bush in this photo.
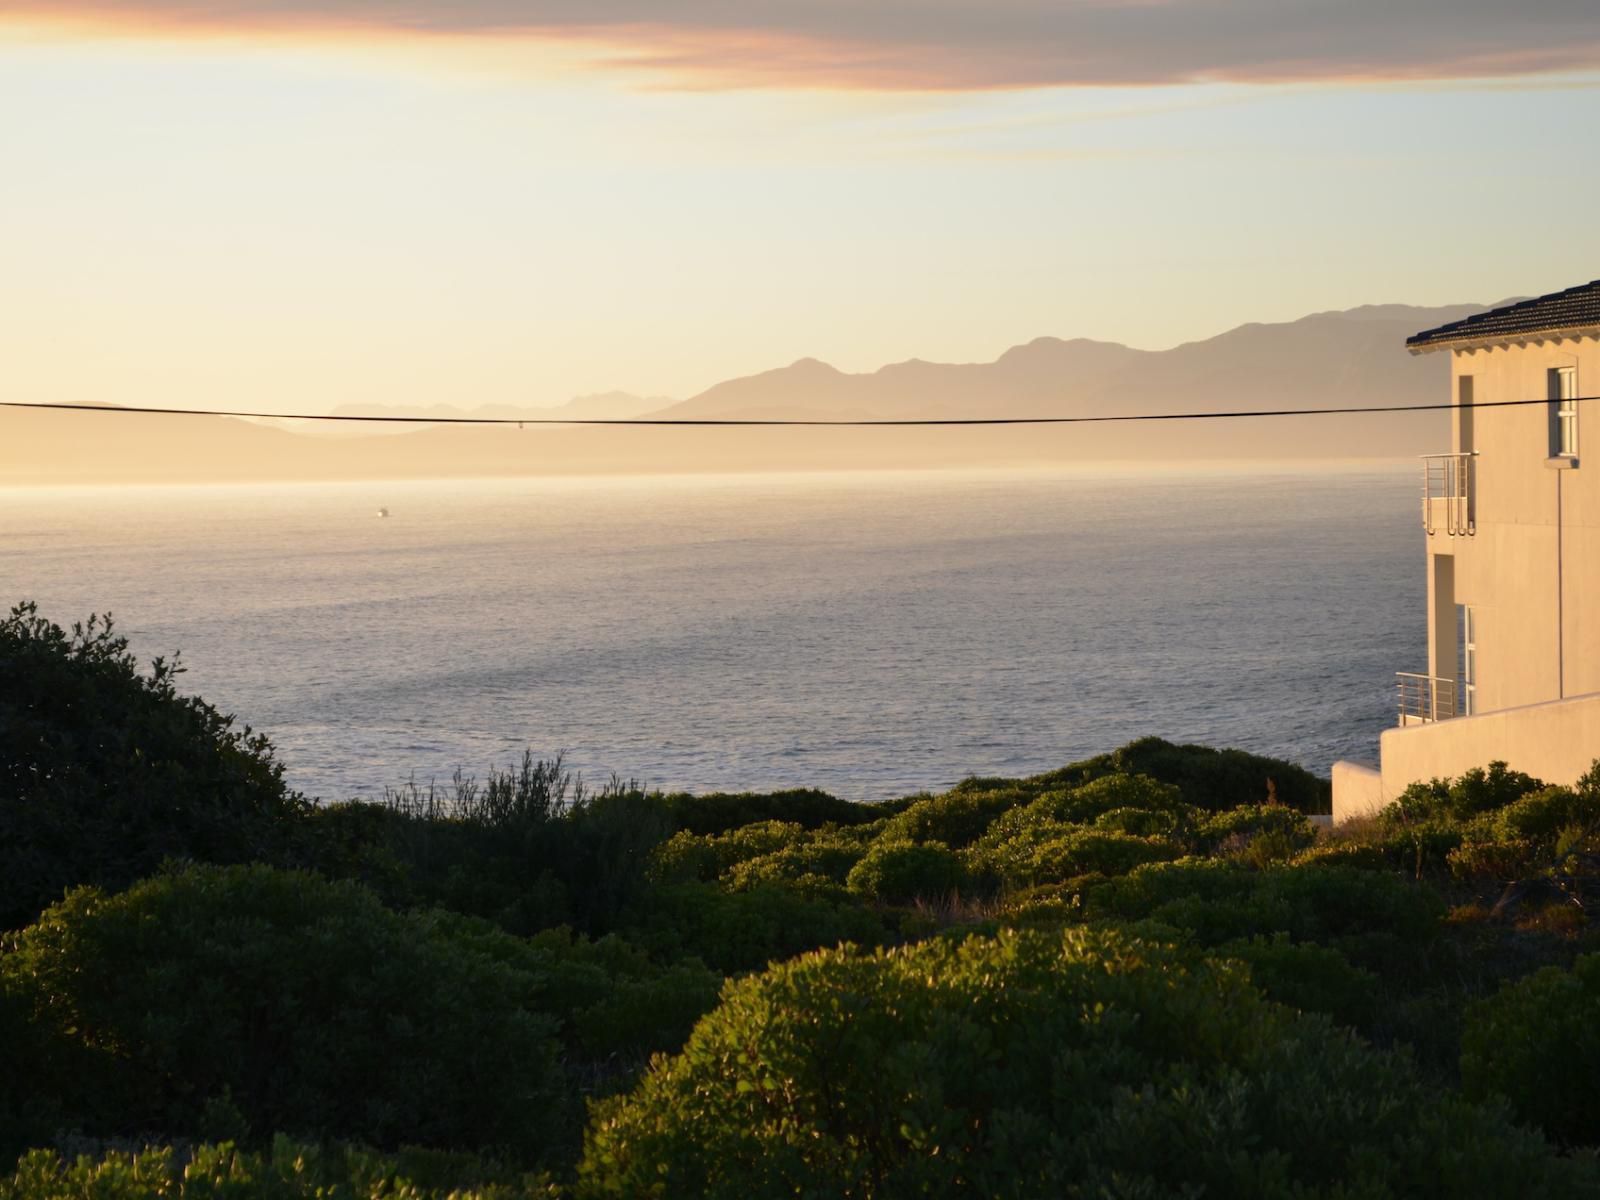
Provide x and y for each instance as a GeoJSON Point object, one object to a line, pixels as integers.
{"type": "Point", "coordinates": [708, 856]}
{"type": "Point", "coordinates": [1286, 827]}
{"type": "Point", "coordinates": [1057, 854]}
{"type": "Point", "coordinates": [746, 930]}
{"type": "Point", "coordinates": [822, 857]}
{"type": "Point", "coordinates": [105, 772]}
{"type": "Point", "coordinates": [1537, 1043]}
{"type": "Point", "coordinates": [294, 1004]}
{"type": "Point", "coordinates": [1085, 803]}
{"type": "Point", "coordinates": [719, 812]}
{"type": "Point", "coordinates": [1077, 1065]}
{"type": "Point", "coordinates": [1141, 822]}
{"type": "Point", "coordinates": [1309, 977]}
{"type": "Point", "coordinates": [613, 1002]}
{"type": "Point", "coordinates": [1377, 920]}
{"type": "Point", "coordinates": [956, 819]}
{"type": "Point", "coordinates": [500, 951]}
{"type": "Point", "coordinates": [288, 1171]}
{"type": "Point", "coordinates": [1477, 791]}
{"type": "Point", "coordinates": [1211, 779]}
{"type": "Point", "coordinates": [1543, 814]}
{"type": "Point", "coordinates": [900, 872]}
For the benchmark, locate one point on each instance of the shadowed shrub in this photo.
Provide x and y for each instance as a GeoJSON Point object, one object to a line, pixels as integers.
{"type": "Point", "coordinates": [719, 812]}
{"type": "Point", "coordinates": [1055, 854]}
{"type": "Point", "coordinates": [300, 1005]}
{"type": "Point", "coordinates": [957, 819]}
{"type": "Point", "coordinates": [900, 872]}
{"type": "Point", "coordinates": [105, 771]}
{"type": "Point", "coordinates": [1537, 1043]}
{"type": "Point", "coordinates": [1211, 779]}
{"type": "Point", "coordinates": [287, 1171]}
{"type": "Point", "coordinates": [746, 930]}
{"type": "Point", "coordinates": [1038, 1064]}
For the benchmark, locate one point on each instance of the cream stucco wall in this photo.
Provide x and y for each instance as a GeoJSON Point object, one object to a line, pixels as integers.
{"type": "Point", "coordinates": [1531, 571]}
{"type": "Point", "coordinates": [1357, 791]}
{"type": "Point", "coordinates": [1556, 742]}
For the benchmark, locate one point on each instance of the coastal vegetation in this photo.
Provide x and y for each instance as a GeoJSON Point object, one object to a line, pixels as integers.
{"type": "Point", "coordinates": [1146, 973]}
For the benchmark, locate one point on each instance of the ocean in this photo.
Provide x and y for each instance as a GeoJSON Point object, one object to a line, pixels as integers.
{"type": "Point", "coordinates": [870, 634]}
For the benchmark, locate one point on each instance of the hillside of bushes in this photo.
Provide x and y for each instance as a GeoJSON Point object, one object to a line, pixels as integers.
{"type": "Point", "coordinates": [1144, 974]}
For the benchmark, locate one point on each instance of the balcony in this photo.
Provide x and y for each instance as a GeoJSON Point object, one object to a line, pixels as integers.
{"type": "Point", "coordinates": [1449, 501]}
{"type": "Point", "coordinates": [1426, 698]}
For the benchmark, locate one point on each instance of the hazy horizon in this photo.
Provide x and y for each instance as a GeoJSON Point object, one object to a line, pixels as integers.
{"type": "Point", "coordinates": [1326, 360]}
{"type": "Point", "coordinates": [515, 202]}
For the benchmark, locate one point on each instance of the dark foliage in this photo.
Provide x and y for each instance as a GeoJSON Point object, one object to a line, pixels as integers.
{"type": "Point", "coordinates": [1537, 1044]}
{"type": "Point", "coordinates": [273, 1000]}
{"type": "Point", "coordinates": [1074, 1065]}
{"type": "Point", "coordinates": [105, 771]}
{"type": "Point", "coordinates": [719, 812]}
{"type": "Point", "coordinates": [1214, 780]}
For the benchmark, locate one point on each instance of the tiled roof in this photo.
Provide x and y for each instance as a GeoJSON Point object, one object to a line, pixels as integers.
{"type": "Point", "coordinates": [1576, 308]}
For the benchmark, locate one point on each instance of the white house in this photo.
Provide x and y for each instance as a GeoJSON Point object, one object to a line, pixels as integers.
{"type": "Point", "coordinates": [1512, 518]}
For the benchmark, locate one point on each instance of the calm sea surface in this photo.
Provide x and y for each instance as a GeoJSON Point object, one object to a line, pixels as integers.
{"type": "Point", "coordinates": [870, 634]}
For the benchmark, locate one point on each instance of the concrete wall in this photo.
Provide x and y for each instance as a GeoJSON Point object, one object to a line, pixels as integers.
{"type": "Point", "coordinates": [1357, 791]}
{"type": "Point", "coordinates": [1531, 572]}
{"type": "Point", "coordinates": [1556, 741]}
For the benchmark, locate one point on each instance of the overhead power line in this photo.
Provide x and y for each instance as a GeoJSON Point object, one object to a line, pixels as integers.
{"type": "Point", "coordinates": [762, 422]}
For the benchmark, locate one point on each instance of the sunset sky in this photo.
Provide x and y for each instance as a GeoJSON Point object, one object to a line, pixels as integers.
{"type": "Point", "coordinates": [272, 203]}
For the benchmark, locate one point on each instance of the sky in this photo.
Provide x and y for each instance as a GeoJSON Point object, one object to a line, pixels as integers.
{"type": "Point", "coordinates": [285, 205]}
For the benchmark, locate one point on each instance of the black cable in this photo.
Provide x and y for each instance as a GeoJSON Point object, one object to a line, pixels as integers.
{"type": "Point", "coordinates": [776, 421]}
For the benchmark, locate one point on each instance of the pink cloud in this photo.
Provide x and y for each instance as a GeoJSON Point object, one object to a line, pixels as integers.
{"type": "Point", "coordinates": [944, 44]}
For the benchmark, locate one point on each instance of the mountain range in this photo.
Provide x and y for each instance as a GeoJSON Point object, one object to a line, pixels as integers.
{"type": "Point", "coordinates": [1354, 357]}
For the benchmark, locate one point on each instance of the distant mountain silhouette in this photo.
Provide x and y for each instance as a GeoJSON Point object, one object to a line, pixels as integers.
{"type": "Point", "coordinates": [1331, 359]}
{"type": "Point", "coordinates": [1325, 360]}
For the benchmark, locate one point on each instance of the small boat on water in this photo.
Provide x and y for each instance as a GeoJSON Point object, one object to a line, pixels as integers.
{"type": "Point", "coordinates": [382, 511]}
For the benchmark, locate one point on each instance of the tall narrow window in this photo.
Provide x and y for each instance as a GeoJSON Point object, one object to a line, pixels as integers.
{"type": "Point", "coordinates": [1464, 414]}
{"type": "Point", "coordinates": [1564, 411]}
{"type": "Point", "coordinates": [1468, 625]}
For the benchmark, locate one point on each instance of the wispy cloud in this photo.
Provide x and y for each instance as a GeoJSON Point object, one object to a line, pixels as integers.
{"type": "Point", "coordinates": [947, 44]}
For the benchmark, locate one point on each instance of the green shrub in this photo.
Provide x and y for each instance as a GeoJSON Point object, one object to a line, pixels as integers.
{"type": "Point", "coordinates": [1378, 921]}
{"type": "Point", "coordinates": [706, 857]}
{"type": "Point", "coordinates": [299, 1004]}
{"type": "Point", "coordinates": [1141, 822]}
{"type": "Point", "coordinates": [288, 1171]}
{"type": "Point", "coordinates": [1537, 1043]}
{"type": "Point", "coordinates": [745, 930]}
{"type": "Point", "coordinates": [1085, 803]}
{"type": "Point", "coordinates": [105, 772]}
{"type": "Point", "coordinates": [1421, 847]}
{"type": "Point", "coordinates": [1335, 852]}
{"type": "Point", "coordinates": [824, 857]}
{"type": "Point", "coordinates": [900, 872]}
{"type": "Point", "coordinates": [1062, 852]}
{"type": "Point", "coordinates": [720, 812]}
{"type": "Point", "coordinates": [1478, 791]}
{"type": "Point", "coordinates": [1077, 1064]}
{"type": "Point", "coordinates": [612, 1000]}
{"type": "Point", "coordinates": [1497, 861]}
{"type": "Point", "coordinates": [957, 819]}
{"type": "Point", "coordinates": [1287, 825]}
{"type": "Point", "coordinates": [1310, 978]}
{"type": "Point", "coordinates": [1542, 815]}
{"type": "Point", "coordinates": [600, 850]}
{"type": "Point", "coordinates": [1214, 780]}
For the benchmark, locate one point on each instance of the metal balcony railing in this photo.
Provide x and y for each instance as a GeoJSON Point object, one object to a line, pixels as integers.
{"type": "Point", "coordinates": [1425, 698]}
{"type": "Point", "coordinates": [1449, 502]}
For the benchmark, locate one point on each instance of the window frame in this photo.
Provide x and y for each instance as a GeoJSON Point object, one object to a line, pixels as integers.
{"type": "Point", "coordinates": [1563, 391]}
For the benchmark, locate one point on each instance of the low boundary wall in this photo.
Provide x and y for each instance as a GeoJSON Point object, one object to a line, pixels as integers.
{"type": "Point", "coordinates": [1556, 741]}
